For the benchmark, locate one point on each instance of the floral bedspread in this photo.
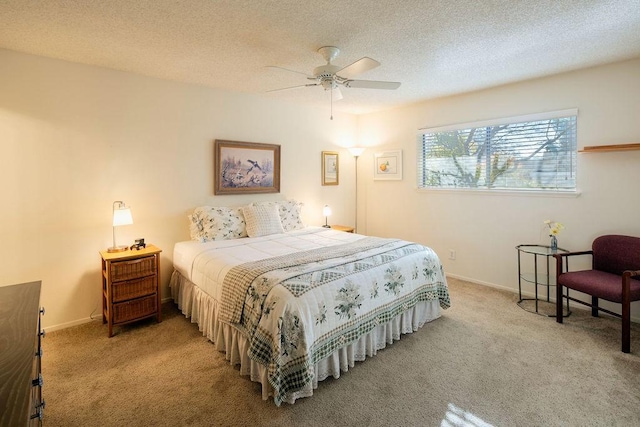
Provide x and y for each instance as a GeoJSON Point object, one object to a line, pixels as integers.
{"type": "Point", "coordinates": [297, 309]}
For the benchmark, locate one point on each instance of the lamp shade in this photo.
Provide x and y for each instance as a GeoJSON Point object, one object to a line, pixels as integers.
{"type": "Point", "coordinates": [122, 216]}
{"type": "Point", "coordinates": [326, 211]}
{"type": "Point", "coordinates": [356, 151]}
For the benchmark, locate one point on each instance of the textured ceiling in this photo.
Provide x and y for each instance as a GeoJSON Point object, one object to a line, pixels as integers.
{"type": "Point", "coordinates": [434, 48]}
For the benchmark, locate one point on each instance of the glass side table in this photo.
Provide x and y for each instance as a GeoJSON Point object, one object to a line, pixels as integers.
{"type": "Point", "coordinates": [539, 278]}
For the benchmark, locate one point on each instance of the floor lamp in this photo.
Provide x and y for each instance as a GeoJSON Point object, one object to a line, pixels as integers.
{"type": "Point", "coordinates": [356, 152]}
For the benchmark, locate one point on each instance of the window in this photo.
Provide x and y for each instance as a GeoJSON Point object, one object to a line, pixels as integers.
{"type": "Point", "coordinates": [536, 152]}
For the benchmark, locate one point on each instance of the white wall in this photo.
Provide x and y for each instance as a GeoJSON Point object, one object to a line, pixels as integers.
{"type": "Point", "coordinates": [75, 138]}
{"type": "Point", "coordinates": [483, 228]}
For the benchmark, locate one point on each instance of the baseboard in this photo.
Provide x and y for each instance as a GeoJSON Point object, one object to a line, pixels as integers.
{"type": "Point", "coordinates": [480, 282]}
{"type": "Point", "coordinates": [527, 294]}
{"type": "Point", "coordinates": [70, 324]}
{"type": "Point", "coordinates": [87, 320]}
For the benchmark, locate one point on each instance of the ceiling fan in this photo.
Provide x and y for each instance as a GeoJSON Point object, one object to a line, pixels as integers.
{"type": "Point", "coordinates": [330, 77]}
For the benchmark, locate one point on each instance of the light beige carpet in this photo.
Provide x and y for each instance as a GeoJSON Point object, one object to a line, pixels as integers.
{"type": "Point", "coordinates": [484, 362]}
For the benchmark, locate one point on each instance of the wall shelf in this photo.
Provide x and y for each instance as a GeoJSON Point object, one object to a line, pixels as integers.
{"type": "Point", "coordinates": [603, 148]}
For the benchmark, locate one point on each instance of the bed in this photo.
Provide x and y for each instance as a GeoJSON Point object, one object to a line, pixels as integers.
{"type": "Point", "coordinates": [293, 305]}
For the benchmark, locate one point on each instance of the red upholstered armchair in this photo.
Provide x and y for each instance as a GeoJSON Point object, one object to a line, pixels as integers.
{"type": "Point", "coordinates": [615, 276]}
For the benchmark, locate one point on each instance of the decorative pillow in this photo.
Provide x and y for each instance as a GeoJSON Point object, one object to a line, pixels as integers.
{"type": "Point", "coordinates": [289, 212]}
{"type": "Point", "coordinates": [290, 215]}
{"type": "Point", "coordinates": [262, 220]}
{"type": "Point", "coordinates": [217, 223]}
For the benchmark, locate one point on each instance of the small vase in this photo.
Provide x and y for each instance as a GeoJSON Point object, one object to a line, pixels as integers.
{"type": "Point", "coordinates": [554, 243]}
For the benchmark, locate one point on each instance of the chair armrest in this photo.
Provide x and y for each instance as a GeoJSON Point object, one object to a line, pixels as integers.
{"type": "Point", "coordinates": [631, 273]}
{"type": "Point", "coordinates": [626, 291]}
{"type": "Point", "coordinates": [566, 254]}
{"type": "Point", "coordinates": [560, 257]}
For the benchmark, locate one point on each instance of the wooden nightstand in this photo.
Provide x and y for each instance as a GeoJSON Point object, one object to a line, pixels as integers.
{"type": "Point", "coordinates": [130, 286]}
{"type": "Point", "coordinates": [344, 228]}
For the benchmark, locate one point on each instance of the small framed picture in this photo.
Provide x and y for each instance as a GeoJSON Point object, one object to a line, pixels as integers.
{"type": "Point", "coordinates": [388, 165]}
{"type": "Point", "coordinates": [330, 168]}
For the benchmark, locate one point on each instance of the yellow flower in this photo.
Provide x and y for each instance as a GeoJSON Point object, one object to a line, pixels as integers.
{"type": "Point", "coordinates": [554, 227]}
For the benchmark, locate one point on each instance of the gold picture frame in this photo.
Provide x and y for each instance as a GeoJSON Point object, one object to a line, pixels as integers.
{"type": "Point", "coordinates": [246, 167]}
{"type": "Point", "coordinates": [330, 168]}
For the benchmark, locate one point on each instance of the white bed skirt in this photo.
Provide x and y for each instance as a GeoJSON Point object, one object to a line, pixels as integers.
{"type": "Point", "coordinates": [203, 310]}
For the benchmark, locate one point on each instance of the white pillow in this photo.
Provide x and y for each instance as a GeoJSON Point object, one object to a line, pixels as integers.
{"type": "Point", "coordinates": [262, 220]}
{"type": "Point", "coordinates": [289, 212]}
{"type": "Point", "coordinates": [217, 223]}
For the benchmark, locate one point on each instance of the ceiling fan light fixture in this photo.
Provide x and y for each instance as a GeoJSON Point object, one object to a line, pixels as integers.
{"type": "Point", "coordinates": [328, 84]}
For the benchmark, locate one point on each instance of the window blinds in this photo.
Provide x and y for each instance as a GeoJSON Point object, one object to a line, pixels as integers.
{"type": "Point", "coordinates": [532, 152]}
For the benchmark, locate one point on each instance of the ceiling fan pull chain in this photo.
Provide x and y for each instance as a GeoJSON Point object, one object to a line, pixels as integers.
{"type": "Point", "coordinates": [331, 103]}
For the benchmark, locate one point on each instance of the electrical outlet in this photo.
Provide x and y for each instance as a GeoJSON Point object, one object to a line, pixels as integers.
{"type": "Point", "coordinates": [452, 254]}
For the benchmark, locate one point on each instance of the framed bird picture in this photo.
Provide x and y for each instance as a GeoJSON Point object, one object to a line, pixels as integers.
{"type": "Point", "coordinates": [246, 168]}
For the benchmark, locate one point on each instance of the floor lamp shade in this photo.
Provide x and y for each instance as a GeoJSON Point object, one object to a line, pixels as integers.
{"type": "Point", "coordinates": [356, 151]}
{"type": "Point", "coordinates": [121, 216]}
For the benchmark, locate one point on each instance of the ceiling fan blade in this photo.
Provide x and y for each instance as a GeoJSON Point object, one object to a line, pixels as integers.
{"type": "Point", "coordinates": [294, 87]}
{"type": "Point", "coordinates": [358, 67]}
{"type": "Point", "coordinates": [372, 84]}
{"type": "Point", "coordinates": [275, 67]}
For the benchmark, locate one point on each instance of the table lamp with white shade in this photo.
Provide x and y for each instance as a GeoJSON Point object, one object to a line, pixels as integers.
{"type": "Point", "coordinates": [326, 212]}
{"type": "Point", "coordinates": [121, 216]}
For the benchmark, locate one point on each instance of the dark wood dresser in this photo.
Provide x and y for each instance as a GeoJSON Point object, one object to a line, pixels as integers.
{"type": "Point", "coordinates": [21, 402]}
